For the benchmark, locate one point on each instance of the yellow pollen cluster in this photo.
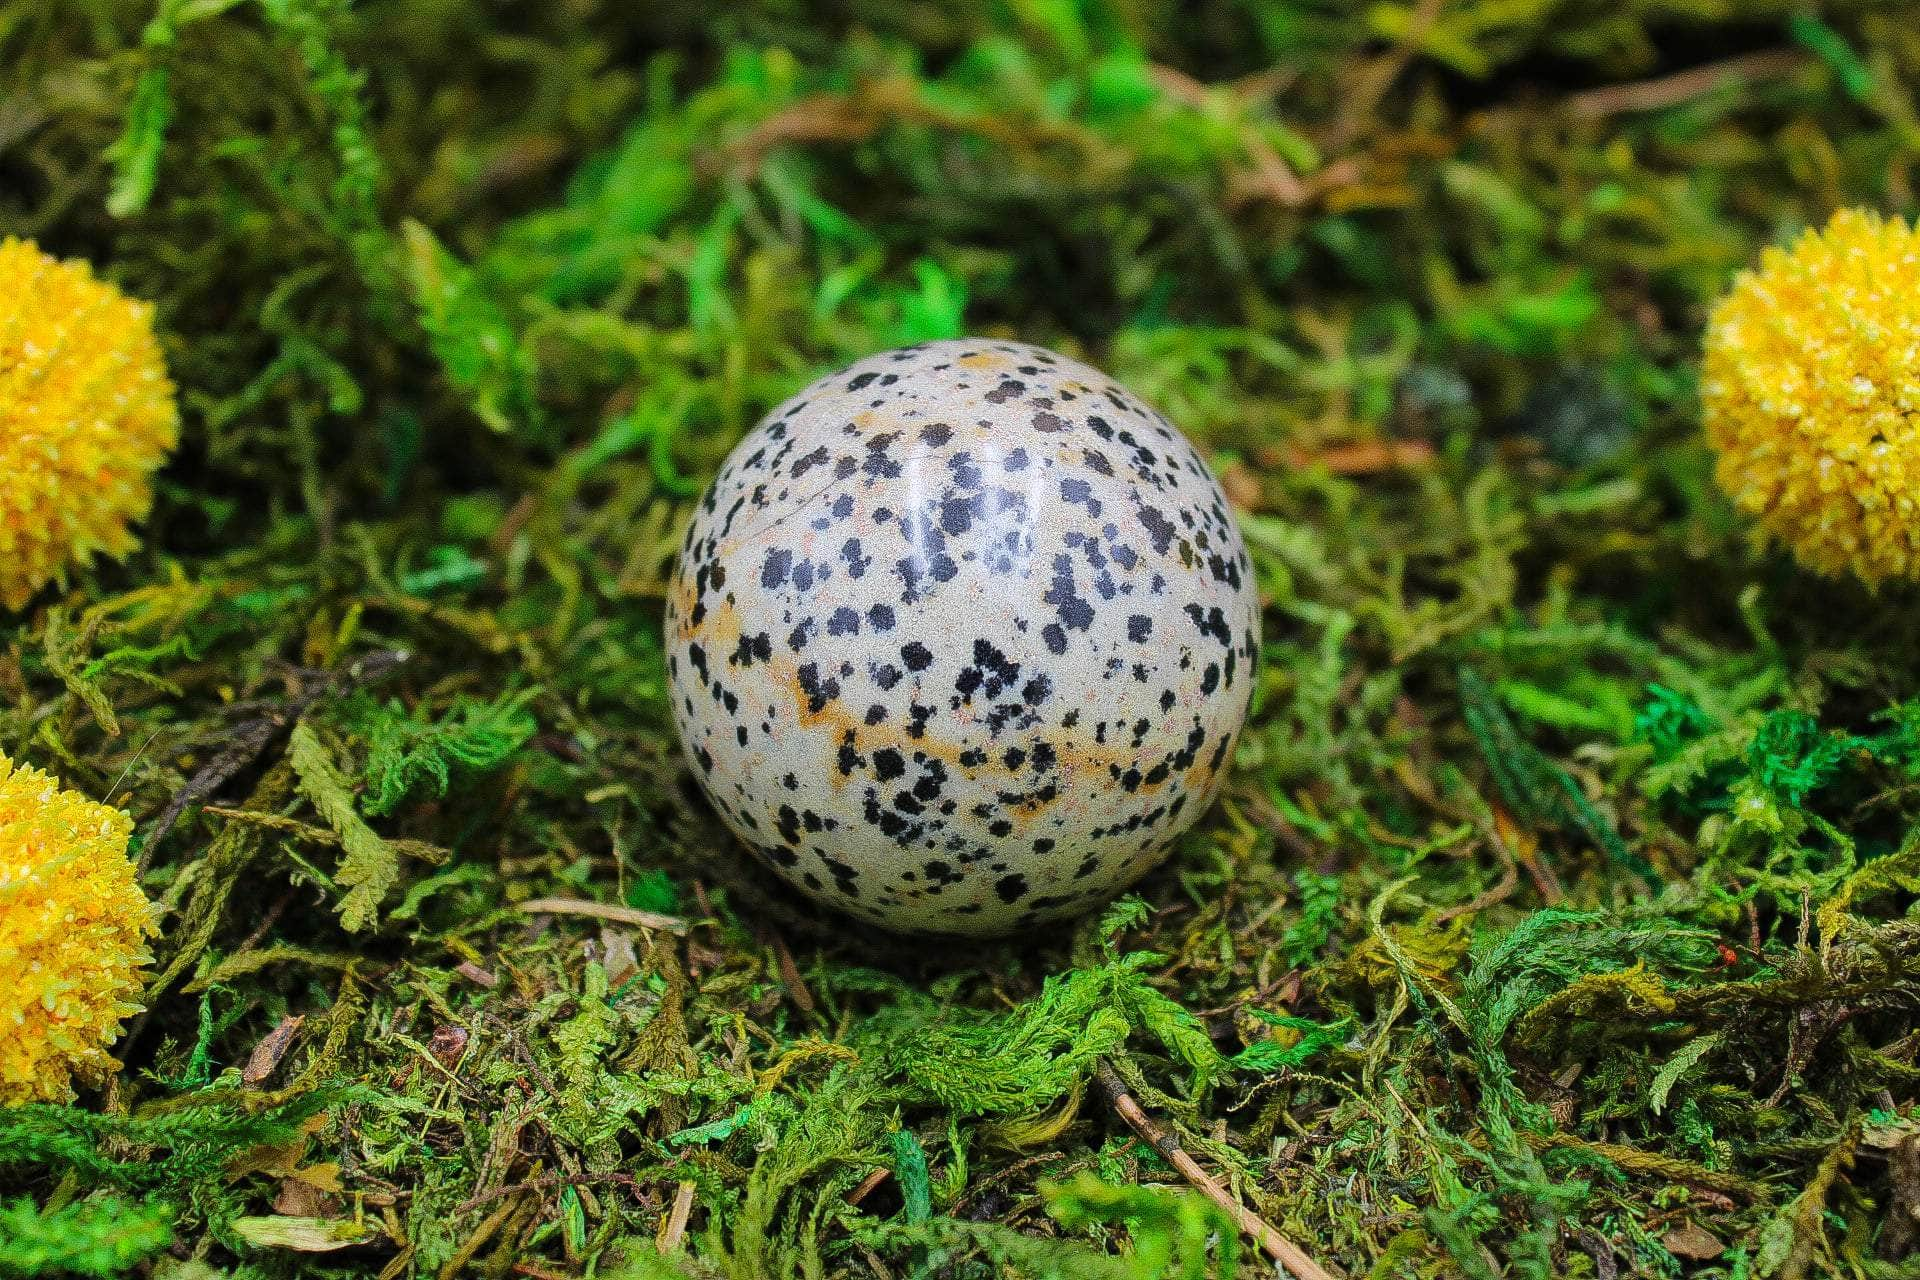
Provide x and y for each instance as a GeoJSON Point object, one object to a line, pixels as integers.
{"type": "Point", "coordinates": [1811, 393]}
{"type": "Point", "coordinates": [73, 930]}
{"type": "Point", "coordinates": [86, 417]}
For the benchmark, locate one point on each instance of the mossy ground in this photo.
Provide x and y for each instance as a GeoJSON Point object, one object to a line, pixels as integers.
{"type": "Point", "coordinates": [1559, 917]}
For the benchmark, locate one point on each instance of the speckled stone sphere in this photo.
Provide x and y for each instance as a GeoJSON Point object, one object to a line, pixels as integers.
{"type": "Point", "coordinates": [961, 638]}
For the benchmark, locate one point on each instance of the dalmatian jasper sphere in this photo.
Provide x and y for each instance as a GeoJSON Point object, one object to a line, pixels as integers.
{"type": "Point", "coordinates": [961, 638]}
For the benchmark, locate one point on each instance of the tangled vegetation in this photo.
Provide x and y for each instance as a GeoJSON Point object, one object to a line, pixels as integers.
{"type": "Point", "coordinates": [1558, 920]}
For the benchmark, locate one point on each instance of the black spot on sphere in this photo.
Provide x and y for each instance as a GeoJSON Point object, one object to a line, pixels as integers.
{"type": "Point", "coordinates": [815, 459]}
{"type": "Point", "coordinates": [850, 554]}
{"type": "Point", "coordinates": [956, 515]}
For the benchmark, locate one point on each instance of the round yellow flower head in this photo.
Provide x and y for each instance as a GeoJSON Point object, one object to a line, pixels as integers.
{"type": "Point", "coordinates": [86, 417]}
{"type": "Point", "coordinates": [73, 930]}
{"type": "Point", "coordinates": [1811, 392]}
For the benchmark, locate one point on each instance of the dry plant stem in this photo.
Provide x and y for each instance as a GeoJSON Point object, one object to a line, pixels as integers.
{"type": "Point", "coordinates": [246, 741]}
{"type": "Point", "coordinates": [1271, 178]}
{"type": "Point", "coordinates": [790, 974]}
{"type": "Point", "coordinates": [674, 1229]}
{"type": "Point", "coordinates": [604, 911]}
{"type": "Point", "coordinates": [1375, 79]}
{"type": "Point", "coordinates": [868, 1185]}
{"type": "Point", "coordinates": [1667, 91]}
{"type": "Point", "coordinates": [1271, 1242]}
{"type": "Point", "coordinates": [1364, 458]}
{"type": "Point", "coordinates": [267, 922]}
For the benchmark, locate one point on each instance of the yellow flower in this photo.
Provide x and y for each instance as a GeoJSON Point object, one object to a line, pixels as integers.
{"type": "Point", "coordinates": [1811, 392]}
{"type": "Point", "coordinates": [73, 930]}
{"type": "Point", "coordinates": [86, 417]}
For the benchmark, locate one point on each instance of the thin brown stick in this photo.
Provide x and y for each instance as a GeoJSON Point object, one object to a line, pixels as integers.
{"type": "Point", "coordinates": [1525, 848]}
{"type": "Point", "coordinates": [790, 975]}
{"type": "Point", "coordinates": [1364, 458]}
{"type": "Point", "coordinates": [1370, 83]}
{"type": "Point", "coordinates": [1271, 1242]}
{"type": "Point", "coordinates": [868, 1185]}
{"type": "Point", "coordinates": [475, 974]}
{"type": "Point", "coordinates": [1681, 86]}
{"type": "Point", "coordinates": [1271, 177]}
{"type": "Point", "coordinates": [267, 922]}
{"type": "Point", "coordinates": [1506, 835]}
{"type": "Point", "coordinates": [674, 1229]}
{"type": "Point", "coordinates": [603, 911]}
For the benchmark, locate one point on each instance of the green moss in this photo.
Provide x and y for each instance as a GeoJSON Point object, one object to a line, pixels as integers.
{"type": "Point", "coordinates": [1560, 909]}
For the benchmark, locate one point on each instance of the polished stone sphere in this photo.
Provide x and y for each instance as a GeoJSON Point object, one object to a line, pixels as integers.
{"type": "Point", "coordinates": [961, 638]}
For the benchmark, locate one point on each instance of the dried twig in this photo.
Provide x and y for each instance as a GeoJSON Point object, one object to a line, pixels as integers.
{"type": "Point", "coordinates": [475, 974]}
{"type": "Point", "coordinates": [1524, 847]}
{"type": "Point", "coordinates": [1271, 1242]}
{"type": "Point", "coordinates": [790, 975]}
{"type": "Point", "coordinates": [868, 1185]}
{"type": "Point", "coordinates": [267, 921]}
{"type": "Point", "coordinates": [873, 104]}
{"type": "Point", "coordinates": [323, 836]}
{"type": "Point", "coordinates": [1271, 177]}
{"type": "Point", "coordinates": [1364, 458]}
{"type": "Point", "coordinates": [674, 1229]}
{"type": "Point", "coordinates": [604, 911]}
{"type": "Point", "coordinates": [246, 741]}
{"type": "Point", "coordinates": [1369, 84]}
{"type": "Point", "coordinates": [1681, 86]}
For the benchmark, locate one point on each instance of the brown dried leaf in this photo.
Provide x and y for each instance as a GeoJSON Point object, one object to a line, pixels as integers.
{"type": "Point", "coordinates": [266, 1055]}
{"type": "Point", "coordinates": [1694, 1242]}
